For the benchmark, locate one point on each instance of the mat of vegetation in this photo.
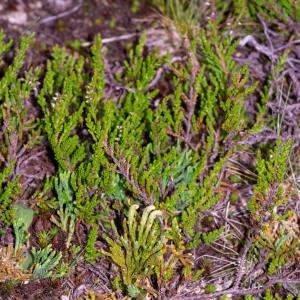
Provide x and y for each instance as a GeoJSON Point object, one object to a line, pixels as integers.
{"type": "Point", "coordinates": [167, 170]}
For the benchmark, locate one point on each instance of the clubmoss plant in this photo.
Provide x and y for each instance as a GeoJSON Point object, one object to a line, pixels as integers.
{"type": "Point", "coordinates": [91, 253]}
{"type": "Point", "coordinates": [65, 206]}
{"type": "Point", "coordinates": [269, 191]}
{"type": "Point", "coordinates": [18, 131]}
{"type": "Point", "coordinates": [41, 262]}
{"type": "Point", "coordinates": [138, 251]}
{"type": "Point", "coordinates": [22, 220]}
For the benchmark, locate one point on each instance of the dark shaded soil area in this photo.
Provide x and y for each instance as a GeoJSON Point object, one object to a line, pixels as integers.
{"type": "Point", "coordinates": [61, 22]}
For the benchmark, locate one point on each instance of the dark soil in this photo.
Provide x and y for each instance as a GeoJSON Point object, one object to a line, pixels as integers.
{"type": "Point", "coordinates": [60, 22]}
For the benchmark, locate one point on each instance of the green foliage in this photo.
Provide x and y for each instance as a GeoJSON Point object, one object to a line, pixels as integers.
{"type": "Point", "coordinates": [163, 169]}
{"type": "Point", "coordinates": [91, 253]}
{"type": "Point", "coordinates": [91, 175]}
{"type": "Point", "coordinates": [22, 221]}
{"type": "Point", "coordinates": [59, 101]}
{"type": "Point", "coordinates": [210, 288]}
{"type": "Point", "coordinates": [282, 10]}
{"type": "Point", "coordinates": [186, 15]}
{"type": "Point", "coordinates": [133, 291]}
{"type": "Point", "coordinates": [270, 179]}
{"type": "Point", "coordinates": [18, 130]}
{"type": "Point", "coordinates": [8, 189]}
{"type": "Point", "coordinates": [42, 262]}
{"type": "Point", "coordinates": [45, 237]}
{"type": "Point", "coordinates": [268, 295]}
{"type": "Point", "coordinates": [280, 240]}
{"type": "Point", "coordinates": [63, 99]}
{"type": "Point", "coordinates": [65, 206]}
{"type": "Point", "coordinates": [153, 155]}
{"type": "Point", "coordinates": [135, 6]}
{"type": "Point", "coordinates": [278, 230]}
{"type": "Point", "coordinates": [63, 269]}
{"type": "Point", "coordinates": [166, 152]}
{"type": "Point", "coordinates": [171, 155]}
{"type": "Point", "coordinates": [138, 251]}
{"type": "Point", "coordinates": [210, 237]}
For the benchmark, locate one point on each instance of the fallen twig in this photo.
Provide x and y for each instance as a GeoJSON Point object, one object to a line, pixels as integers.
{"type": "Point", "coordinates": [240, 291]}
{"type": "Point", "coordinates": [61, 15]}
{"type": "Point", "coordinates": [249, 39]}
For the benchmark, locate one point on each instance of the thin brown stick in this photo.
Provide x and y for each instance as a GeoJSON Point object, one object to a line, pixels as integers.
{"type": "Point", "coordinates": [61, 15]}
{"type": "Point", "coordinates": [249, 39]}
{"type": "Point", "coordinates": [240, 291]}
{"type": "Point", "coordinates": [192, 97]}
{"type": "Point", "coordinates": [266, 32]}
{"type": "Point", "coordinates": [241, 269]}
